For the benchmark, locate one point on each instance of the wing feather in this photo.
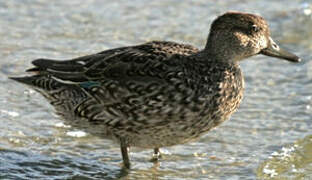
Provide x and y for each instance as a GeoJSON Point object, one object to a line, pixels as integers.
{"type": "Point", "coordinates": [110, 64]}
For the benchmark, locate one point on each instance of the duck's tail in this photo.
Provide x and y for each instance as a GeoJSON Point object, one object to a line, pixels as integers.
{"type": "Point", "coordinates": [38, 82]}
{"type": "Point", "coordinates": [28, 80]}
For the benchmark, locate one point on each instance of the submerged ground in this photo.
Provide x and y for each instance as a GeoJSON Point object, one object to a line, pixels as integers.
{"type": "Point", "coordinates": [269, 137]}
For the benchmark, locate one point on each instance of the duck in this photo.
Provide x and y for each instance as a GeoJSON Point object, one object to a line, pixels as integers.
{"type": "Point", "coordinates": [158, 93]}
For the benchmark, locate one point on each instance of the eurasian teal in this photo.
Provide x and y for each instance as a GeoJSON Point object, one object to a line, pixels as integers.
{"type": "Point", "coordinates": [158, 93]}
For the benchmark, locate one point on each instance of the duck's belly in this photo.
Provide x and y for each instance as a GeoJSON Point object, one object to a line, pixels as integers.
{"type": "Point", "coordinates": [155, 131]}
{"type": "Point", "coordinates": [150, 135]}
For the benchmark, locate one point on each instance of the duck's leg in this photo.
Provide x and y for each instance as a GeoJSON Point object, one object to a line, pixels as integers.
{"type": "Point", "coordinates": [124, 152]}
{"type": "Point", "coordinates": [156, 155]}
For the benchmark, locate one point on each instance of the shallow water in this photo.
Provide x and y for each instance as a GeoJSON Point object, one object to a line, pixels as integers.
{"type": "Point", "coordinates": [269, 137]}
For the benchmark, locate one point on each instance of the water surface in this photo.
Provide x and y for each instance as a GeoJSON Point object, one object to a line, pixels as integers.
{"type": "Point", "coordinates": [269, 137]}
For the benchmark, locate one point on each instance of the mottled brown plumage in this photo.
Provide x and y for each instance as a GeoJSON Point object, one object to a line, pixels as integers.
{"type": "Point", "coordinates": [159, 93]}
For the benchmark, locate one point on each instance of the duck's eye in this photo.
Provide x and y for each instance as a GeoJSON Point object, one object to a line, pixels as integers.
{"type": "Point", "coordinates": [255, 28]}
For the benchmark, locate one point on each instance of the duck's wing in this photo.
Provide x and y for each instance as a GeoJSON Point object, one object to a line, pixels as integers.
{"type": "Point", "coordinates": [75, 69]}
{"type": "Point", "coordinates": [117, 64]}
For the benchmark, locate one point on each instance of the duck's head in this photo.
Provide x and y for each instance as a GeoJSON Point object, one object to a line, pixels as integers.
{"type": "Point", "coordinates": [236, 36]}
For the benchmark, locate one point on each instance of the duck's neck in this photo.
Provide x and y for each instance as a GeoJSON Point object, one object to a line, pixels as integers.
{"type": "Point", "coordinates": [217, 58]}
{"type": "Point", "coordinates": [218, 48]}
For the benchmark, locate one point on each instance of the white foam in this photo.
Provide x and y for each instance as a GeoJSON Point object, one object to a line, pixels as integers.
{"type": "Point", "coordinates": [270, 172]}
{"type": "Point", "coordinates": [62, 125]}
{"type": "Point", "coordinates": [307, 12]}
{"type": "Point", "coordinates": [76, 134]}
{"type": "Point", "coordinates": [10, 113]}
